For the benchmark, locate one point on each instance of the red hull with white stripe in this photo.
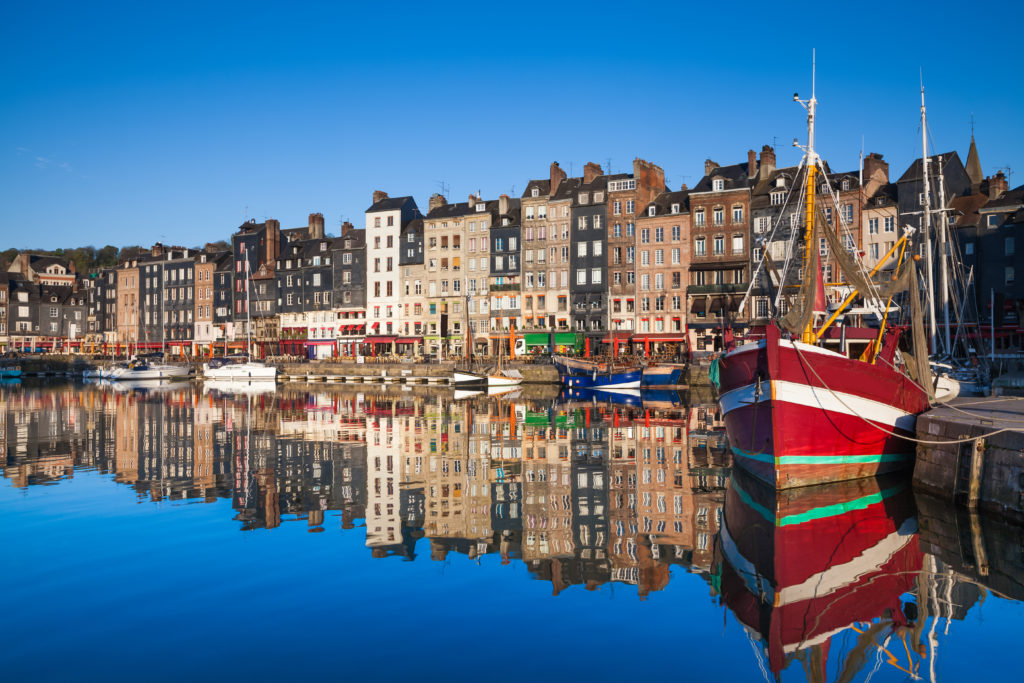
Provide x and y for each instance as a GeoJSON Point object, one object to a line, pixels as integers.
{"type": "Point", "coordinates": [798, 415]}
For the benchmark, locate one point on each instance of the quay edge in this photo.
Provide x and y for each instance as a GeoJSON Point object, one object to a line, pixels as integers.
{"type": "Point", "coordinates": [987, 470]}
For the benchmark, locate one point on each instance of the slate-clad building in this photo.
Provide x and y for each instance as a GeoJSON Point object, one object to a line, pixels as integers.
{"type": "Point", "coordinates": [505, 272]}
{"type": "Point", "coordinates": [178, 314]}
{"type": "Point", "coordinates": [349, 282]}
{"type": "Point", "coordinates": [588, 260]}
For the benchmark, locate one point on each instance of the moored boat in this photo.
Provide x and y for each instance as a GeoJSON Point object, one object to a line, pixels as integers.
{"type": "Point", "coordinates": [664, 375]}
{"type": "Point", "coordinates": [585, 374]}
{"type": "Point", "coordinates": [238, 367]}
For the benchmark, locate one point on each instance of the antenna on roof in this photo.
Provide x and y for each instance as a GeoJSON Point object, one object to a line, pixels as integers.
{"type": "Point", "coordinates": [609, 166]}
{"type": "Point", "coordinates": [972, 124]}
{"type": "Point", "coordinates": [444, 188]}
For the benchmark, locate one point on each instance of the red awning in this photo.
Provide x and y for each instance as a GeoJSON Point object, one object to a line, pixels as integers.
{"type": "Point", "coordinates": [622, 336]}
{"type": "Point", "coordinates": [375, 326]}
{"type": "Point", "coordinates": [409, 340]}
{"type": "Point", "coordinates": [380, 340]}
{"type": "Point", "coordinates": [661, 337]}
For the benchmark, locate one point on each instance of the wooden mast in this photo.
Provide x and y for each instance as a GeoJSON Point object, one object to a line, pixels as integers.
{"type": "Point", "coordinates": [808, 336]}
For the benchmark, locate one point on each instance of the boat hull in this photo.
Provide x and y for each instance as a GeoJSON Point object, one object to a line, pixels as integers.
{"type": "Point", "coordinates": [797, 415]}
{"type": "Point", "coordinates": [663, 376]}
{"type": "Point", "coordinates": [10, 373]}
{"type": "Point", "coordinates": [150, 373]}
{"type": "Point", "coordinates": [469, 380]}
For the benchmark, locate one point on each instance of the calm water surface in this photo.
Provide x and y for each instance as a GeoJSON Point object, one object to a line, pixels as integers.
{"type": "Point", "coordinates": [182, 533]}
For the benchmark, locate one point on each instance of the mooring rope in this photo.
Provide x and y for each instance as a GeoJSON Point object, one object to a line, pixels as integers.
{"type": "Point", "coordinates": [892, 433]}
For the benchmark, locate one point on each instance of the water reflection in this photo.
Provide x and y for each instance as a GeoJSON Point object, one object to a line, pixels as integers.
{"type": "Point", "coordinates": [583, 490]}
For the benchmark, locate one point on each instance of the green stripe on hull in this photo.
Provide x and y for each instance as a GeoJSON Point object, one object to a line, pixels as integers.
{"type": "Point", "coordinates": [823, 459]}
{"type": "Point", "coordinates": [822, 512]}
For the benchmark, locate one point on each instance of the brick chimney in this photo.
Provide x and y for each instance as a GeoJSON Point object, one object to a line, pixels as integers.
{"type": "Point", "coordinates": [591, 171]}
{"type": "Point", "coordinates": [997, 185]}
{"type": "Point", "coordinates": [273, 241]}
{"type": "Point", "coordinates": [650, 181]}
{"type": "Point", "coordinates": [873, 165]}
{"type": "Point", "coordinates": [683, 188]}
{"type": "Point", "coordinates": [503, 205]}
{"type": "Point", "coordinates": [751, 163]}
{"type": "Point", "coordinates": [557, 176]}
{"type": "Point", "coordinates": [346, 228]}
{"type": "Point", "coordinates": [379, 195]}
{"type": "Point", "coordinates": [767, 165]}
{"type": "Point", "coordinates": [436, 200]}
{"type": "Point", "coordinates": [157, 250]}
{"type": "Point", "coordinates": [316, 226]}
{"type": "Point", "coordinates": [709, 166]}
{"type": "Point", "coordinates": [472, 200]}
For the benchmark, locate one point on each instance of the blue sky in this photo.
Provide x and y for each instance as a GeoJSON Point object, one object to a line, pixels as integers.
{"type": "Point", "coordinates": [136, 122]}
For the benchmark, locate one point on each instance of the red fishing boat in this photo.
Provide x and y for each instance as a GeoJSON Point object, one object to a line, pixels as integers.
{"type": "Point", "coordinates": [801, 566]}
{"type": "Point", "coordinates": [798, 413]}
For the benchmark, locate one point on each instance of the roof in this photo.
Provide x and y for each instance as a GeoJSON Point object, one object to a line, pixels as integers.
{"type": "Point", "coordinates": [735, 177]}
{"type": "Point", "coordinates": [460, 209]}
{"type": "Point", "coordinates": [889, 193]}
{"type": "Point", "coordinates": [973, 166]}
{"type": "Point", "coordinates": [391, 204]}
{"type": "Point", "coordinates": [1011, 200]}
{"type": "Point", "coordinates": [913, 173]}
{"type": "Point", "coordinates": [966, 207]}
{"type": "Point", "coordinates": [543, 187]}
{"type": "Point", "coordinates": [663, 204]}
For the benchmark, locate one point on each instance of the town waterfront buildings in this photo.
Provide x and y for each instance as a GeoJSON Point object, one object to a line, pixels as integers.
{"type": "Point", "coordinates": [616, 261]}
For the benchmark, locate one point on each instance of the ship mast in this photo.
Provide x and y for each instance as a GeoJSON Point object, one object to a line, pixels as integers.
{"type": "Point", "coordinates": [927, 226]}
{"type": "Point", "coordinates": [808, 336]}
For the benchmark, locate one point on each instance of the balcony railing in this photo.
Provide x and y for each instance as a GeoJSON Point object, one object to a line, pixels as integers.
{"type": "Point", "coordinates": [716, 289]}
{"type": "Point", "coordinates": [515, 287]}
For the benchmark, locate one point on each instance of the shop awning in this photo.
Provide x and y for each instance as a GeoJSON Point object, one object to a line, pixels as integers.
{"type": "Point", "coordinates": [385, 339]}
{"type": "Point", "coordinates": [622, 336]}
{"type": "Point", "coordinates": [699, 304]}
{"type": "Point", "coordinates": [660, 337]}
{"type": "Point", "coordinates": [409, 340]}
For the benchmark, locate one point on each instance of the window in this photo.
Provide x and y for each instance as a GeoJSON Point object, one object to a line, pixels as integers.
{"type": "Point", "coordinates": [1008, 246]}
{"type": "Point", "coordinates": [890, 223]}
{"type": "Point", "coordinates": [737, 214]}
{"type": "Point", "coordinates": [969, 249]}
{"type": "Point", "coordinates": [719, 245]}
{"type": "Point", "coordinates": [761, 224]}
{"type": "Point", "coordinates": [346, 258]}
{"type": "Point", "coordinates": [534, 192]}
{"type": "Point", "coordinates": [872, 226]}
{"type": "Point", "coordinates": [581, 276]}
{"type": "Point", "coordinates": [630, 230]}
{"type": "Point", "coordinates": [737, 244]}
{"type": "Point", "coordinates": [676, 233]}
{"type": "Point", "coordinates": [675, 257]}
{"type": "Point", "coordinates": [582, 223]}
{"type": "Point", "coordinates": [1009, 275]}
{"type": "Point", "coordinates": [659, 257]}
{"type": "Point", "coordinates": [738, 276]}
{"type": "Point", "coordinates": [645, 258]}
{"type": "Point", "coordinates": [700, 246]}
{"type": "Point", "coordinates": [717, 184]}
{"type": "Point", "coordinates": [645, 281]}
{"type": "Point", "coordinates": [698, 218]}
{"type": "Point", "coordinates": [719, 215]}
{"type": "Point", "coordinates": [659, 234]}
{"type": "Point", "coordinates": [993, 221]}
{"type": "Point", "coordinates": [778, 198]}
{"type": "Point", "coordinates": [822, 247]}
{"type": "Point", "coordinates": [645, 236]}
{"type": "Point", "coordinates": [629, 205]}
{"type": "Point", "coordinates": [616, 207]}
{"type": "Point", "coordinates": [542, 211]}
{"type": "Point", "coordinates": [595, 248]}
{"type": "Point", "coordinates": [595, 276]}
{"type": "Point", "coordinates": [847, 208]}
{"type": "Point", "coordinates": [651, 210]}
{"type": "Point", "coordinates": [874, 250]}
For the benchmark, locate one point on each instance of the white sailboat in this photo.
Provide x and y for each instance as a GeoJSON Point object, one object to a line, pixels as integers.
{"type": "Point", "coordinates": [241, 366]}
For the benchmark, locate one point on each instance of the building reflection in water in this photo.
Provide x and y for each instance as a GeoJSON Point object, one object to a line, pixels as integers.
{"type": "Point", "coordinates": [582, 492]}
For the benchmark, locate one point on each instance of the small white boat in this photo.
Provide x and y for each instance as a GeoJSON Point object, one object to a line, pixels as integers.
{"type": "Point", "coordinates": [238, 367]}
{"type": "Point", "coordinates": [148, 369]}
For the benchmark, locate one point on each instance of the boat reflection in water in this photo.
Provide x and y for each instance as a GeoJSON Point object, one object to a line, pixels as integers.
{"type": "Point", "coordinates": [802, 566]}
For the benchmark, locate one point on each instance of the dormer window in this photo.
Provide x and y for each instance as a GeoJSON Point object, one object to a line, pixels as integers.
{"type": "Point", "coordinates": [535, 192]}
{"type": "Point", "coordinates": [584, 197]}
{"type": "Point", "coordinates": [481, 207]}
{"type": "Point", "coordinates": [504, 220]}
{"type": "Point", "coordinates": [348, 243]}
{"type": "Point", "coordinates": [675, 208]}
{"type": "Point", "coordinates": [778, 198]}
{"type": "Point", "coordinates": [823, 189]}
{"type": "Point", "coordinates": [53, 299]}
{"type": "Point", "coordinates": [323, 246]}
{"type": "Point", "coordinates": [651, 210]}
{"type": "Point", "coordinates": [780, 181]}
{"type": "Point", "coordinates": [846, 183]}
{"type": "Point", "coordinates": [717, 184]}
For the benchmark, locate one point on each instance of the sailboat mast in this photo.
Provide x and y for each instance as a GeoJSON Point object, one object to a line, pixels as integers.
{"type": "Point", "coordinates": [927, 226]}
{"type": "Point", "coordinates": [248, 319]}
{"type": "Point", "coordinates": [944, 261]}
{"type": "Point", "coordinates": [811, 105]}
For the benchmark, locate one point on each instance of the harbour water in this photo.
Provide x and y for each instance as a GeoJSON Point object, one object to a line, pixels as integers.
{"type": "Point", "coordinates": [190, 533]}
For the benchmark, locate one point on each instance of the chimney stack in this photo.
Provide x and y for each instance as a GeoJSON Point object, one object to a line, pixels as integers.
{"type": "Point", "coordinates": [591, 171]}
{"type": "Point", "coordinates": [379, 195]}
{"type": "Point", "coordinates": [502, 205]}
{"type": "Point", "coordinates": [873, 165]}
{"type": "Point", "coordinates": [472, 201]}
{"type": "Point", "coordinates": [709, 166]}
{"type": "Point", "coordinates": [436, 200]}
{"type": "Point", "coordinates": [557, 176]}
{"type": "Point", "coordinates": [751, 163]}
{"type": "Point", "coordinates": [346, 228]}
{"type": "Point", "coordinates": [316, 226]}
{"type": "Point", "coordinates": [767, 165]}
{"type": "Point", "coordinates": [273, 241]}
{"type": "Point", "coordinates": [997, 185]}
{"type": "Point", "coordinates": [683, 188]}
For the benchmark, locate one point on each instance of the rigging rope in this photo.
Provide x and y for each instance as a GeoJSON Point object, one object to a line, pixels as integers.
{"type": "Point", "coordinates": [890, 432]}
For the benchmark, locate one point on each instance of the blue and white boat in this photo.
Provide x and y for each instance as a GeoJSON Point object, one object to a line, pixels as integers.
{"type": "Point", "coordinates": [584, 374]}
{"type": "Point", "coordinates": [664, 375]}
{"type": "Point", "coordinates": [10, 371]}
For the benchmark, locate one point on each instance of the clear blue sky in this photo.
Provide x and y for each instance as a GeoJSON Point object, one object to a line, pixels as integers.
{"type": "Point", "coordinates": [136, 122]}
